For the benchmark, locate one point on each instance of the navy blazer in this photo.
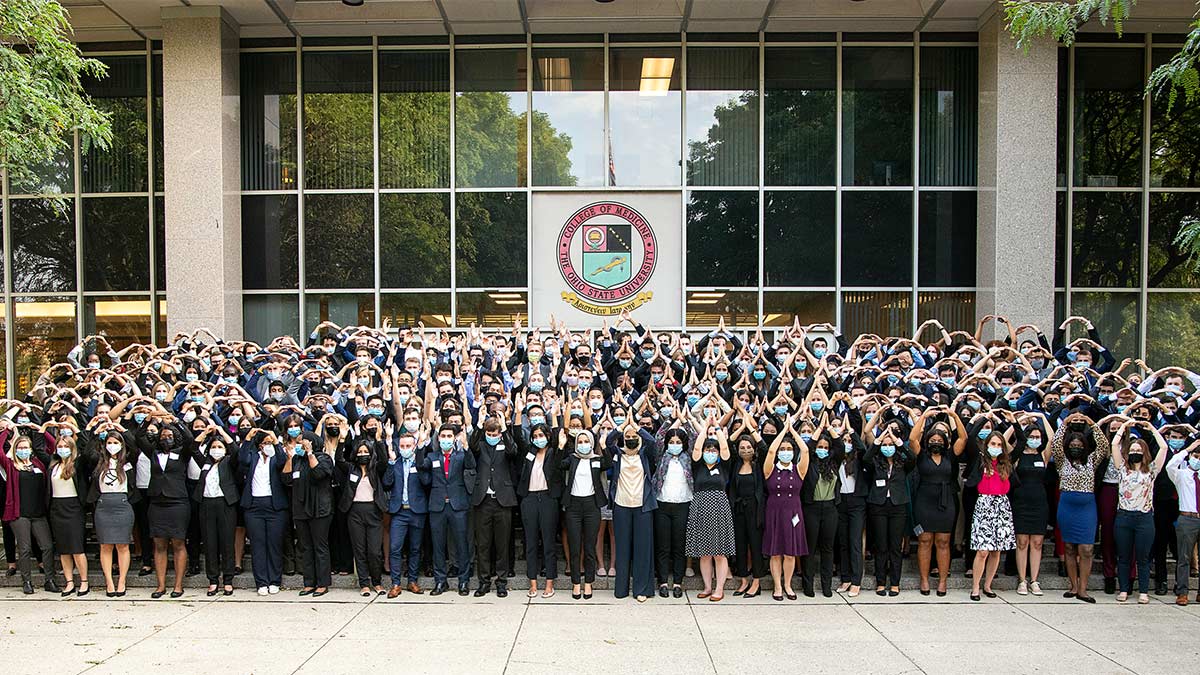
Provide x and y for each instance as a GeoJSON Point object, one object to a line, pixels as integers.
{"type": "Point", "coordinates": [647, 454]}
{"type": "Point", "coordinates": [248, 459]}
{"type": "Point", "coordinates": [418, 485]}
{"type": "Point", "coordinates": [452, 490]}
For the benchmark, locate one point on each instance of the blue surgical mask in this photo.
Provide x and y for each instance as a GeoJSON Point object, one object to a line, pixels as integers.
{"type": "Point", "coordinates": [293, 431]}
{"type": "Point", "coordinates": [618, 419]}
{"type": "Point", "coordinates": [534, 421]}
{"type": "Point", "coordinates": [816, 405]}
{"type": "Point", "coordinates": [983, 433]}
{"type": "Point", "coordinates": [1176, 443]}
{"type": "Point", "coordinates": [974, 405]}
{"type": "Point", "coordinates": [801, 364]}
{"type": "Point", "coordinates": [647, 354]}
{"type": "Point", "coordinates": [711, 457]}
{"type": "Point", "coordinates": [819, 352]}
{"type": "Point", "coordinates": [191, 377]}
{"type": "Point", "coordinates": [378, 412]}
{"type": "Point", "coordinates": [1193, 462]}
{"type": "Point", "coordinates": [624, 363]}
{"type": "Point", "coordinates": [540, 443]}
{"type": "Point", "coordinates": [160, 396]}
{"type": "Point", "coordinates": [869, 416]}
{"type": "Point", "coordinates": [781, 410]}
{"type": "Point", "coordinates": [993, 451]}
{"type": "Point", "coordinates": [722, 375]}
{"type": "Point", "coordinates": [1034, 443]}
{"type": "Point", "coordinates": [492, 440]}
{"type": "Point", "coordinates": [139, 417]}
{"type": "Point", "coordinates": [805, 436]}
{"type": "Point", "coordinates": [407, 453]}
{"type": "Point", "coordinates": [583, 449]}
{"type": "Point", "coordinates": [299, 451]}
{"type": "Point", "coordinates": [786, 456]}
{"type": "Point", "coordinates": [63, 453]}
{"type": "Point", "coordinates": [887, 450]}
{"type": "Point", "coordinates": [692, 399]}
{"type": "Point", "coordinates": [24, 453]}
{"type": "Point", "coordinates": [674, 448]}
{"type": "Point", "coordinates": [948, 381]}
{"type": "Point", "coordinates": [760, 375]}
{"type": "Point", "coordinates": [536, 386]}
{"type": "Point", "coordinates": [103, 435]}
{"type": "Point", "coordinates": [446, 444]}
{"type": "Point", "coordinates": [822, 453]}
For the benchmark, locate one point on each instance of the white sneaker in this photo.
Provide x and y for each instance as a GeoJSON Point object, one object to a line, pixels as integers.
{"type": "Point", "coordinates": [689, 572]}
{"type": "Point", "coordinates": [262, 590]}
{"type": "Point", "coordinates": [1022, 588]}
{"type": "Point", "coordinates": [1035, 588]}
{"type": "Point", "coordinates": [272, 589]}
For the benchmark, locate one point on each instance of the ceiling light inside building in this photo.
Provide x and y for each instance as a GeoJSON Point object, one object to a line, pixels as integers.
{"type": "Point", "coordinates": [353, 3]}
{"type": "Point", "coordinates": [656, 75]}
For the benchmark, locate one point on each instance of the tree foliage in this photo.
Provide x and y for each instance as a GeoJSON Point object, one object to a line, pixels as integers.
{"type": "Point", "coordinates": [42, 100]}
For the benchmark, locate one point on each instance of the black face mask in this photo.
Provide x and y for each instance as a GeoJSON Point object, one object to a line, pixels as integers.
{"type": "Point", "coordinates": [937, 448]}
{"type": "Point", "coordinates": [1076, 454]}
{"type": "Point", "coordinates": [1135, 457]}
{"type": "Point", "coordinates": [631, 443]}
{"type": "Point", "coordinates": [332, 431]}
{"type": "Point", "coordinates": [362, 460]}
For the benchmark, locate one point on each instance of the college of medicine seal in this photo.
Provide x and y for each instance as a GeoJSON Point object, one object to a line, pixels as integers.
{"type": "Point", "coordinates": [606, 254]}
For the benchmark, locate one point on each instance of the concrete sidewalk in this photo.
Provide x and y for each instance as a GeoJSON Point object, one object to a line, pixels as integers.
{"type": "Point", "coordinates": [345, 633]}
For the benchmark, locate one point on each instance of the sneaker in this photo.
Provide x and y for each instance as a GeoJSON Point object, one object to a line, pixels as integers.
{"type": "Point", "coordinates": [689, 572]}
{"type": "Point", "coordinates": [1035, 588]}
{"type": "Point", "coordinates": [1022, 588]}
{"type": "Point", "coordinates": [273, 589]}
{"type": "Point", "coordinates": [262, 590]}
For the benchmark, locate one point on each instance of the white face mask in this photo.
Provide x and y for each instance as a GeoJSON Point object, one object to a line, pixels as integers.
{"type": "Point", "coordinates": [216, 453]}
{"type": "Point", "coordinates": [113, 448]}
{"type": "Point", "coordinates": [268, 450]}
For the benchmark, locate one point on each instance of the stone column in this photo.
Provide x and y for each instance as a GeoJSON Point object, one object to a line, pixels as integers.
{"type": "Point", "coordinates": [202, 166]}
{"type": "Point", "coordinates": [1018, 107]}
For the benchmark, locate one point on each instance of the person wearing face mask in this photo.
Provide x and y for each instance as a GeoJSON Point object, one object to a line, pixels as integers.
{"type": "Point", "coordinates": [170, 510]}
{"type": "Point", "coordinates": [1079, 447]}
{"type": "Point", "coordinates": [747, 494]}
{"type": "Point", "coordinates": [449, 464]}
{"type": "Point", "coordinates": [674, 483]}
{"type": "Point", "coordinates": [408, 503]}
{"type": "Point", "coordinates": [935, 490]}
{"type": "Point", "coordinates": [26, 495]}
{"type": "Point", "coordinates": [888, 462]}
{"type": "Point", "coordinates": [1030, 505]}
{"type": "Point", "coordinates": [363, 500]}
{"type": "Point", "coordinates": [784, 538]}
{"type": "Point", "coordinates": [308, 470]}
{"type": "Point", "coordinates": [992, 528]}
{"type": "Point", "coordinates": [265, 502]}
{"type": "Point", "coordinates": [540, 487]}
{"type": "Point", "coordinates": [852, 512]}
{"type": "Point", "coordinates": [111, 492]}
{"type": "Point", "coordinates": [1184, 471]}
{"type": "Point", "coordinates": [819, 496]}
{"type": "Point", "coordinates": [1134, 526]}
{"type": "Point", "coordinates": [1166, 508]}
{"type": "Point", "coordinates": [216, 494]}
{"type": "Point", "coordinates": [492, 499]}
{"type": "Point", "coordinates": [634, 499]}
{"type": "Point", "coordinates": [68, 472]}
{"type": "Point", "coordinates": [710, 535]}
{"type": "Point", "coordinates": [583, 496]}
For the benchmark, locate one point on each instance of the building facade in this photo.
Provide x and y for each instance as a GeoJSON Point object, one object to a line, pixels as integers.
{"type": "Point", "coordinates": [869, 169]}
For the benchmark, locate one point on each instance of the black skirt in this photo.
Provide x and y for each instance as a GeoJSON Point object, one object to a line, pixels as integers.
{"type": "Point", "coordinates": [169, 518]}
{"type": "Point", "coordinates": [66, 524]}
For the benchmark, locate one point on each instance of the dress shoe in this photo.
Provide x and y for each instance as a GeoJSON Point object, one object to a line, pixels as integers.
{"type": "Point", "coordinates": [677, 592]}
{"type": "Point", "coordinates": [51, 586]}
{"type": "Point", "coordinates": [1161, 589]}
{"type": "Point", "coordinates": [484, 588]}
{"type": "Point", "coordinates": [12, 571]}
{"type": "Point", "coordinates": [227, 591]}
{"type": "Point", "coordinates": [305, 591]}
{"type": "Point", "coordinates": [989, 594]}
{"type": "Point", "coordinates": [27, 589]}
{"type": "Point", "coordinates": [82, 591]}
{"type": "Point", "coordinates": [464, 589]}
{"type": "Point", "coordinates": [211, 592]}
{"type": "Point", "coordinates": [453, 571]}
{"type": "Point", "coordinates": [145, 572]}
{"type": "Point", "coordinates": [747, 596]}
{"type": "Point", "coordinates": [110, 594]}
{"type": "Point", "coordinates": [501, 590]}
{"type": "Point", "coordinates": [414, 588]}
{"type": "Point", "coordinates": [1180, 600]}
{"type": "Point", "coordinates": [394, 592]}
{"type": "Point", "coordinates": [176, 594]}
{"type": "Point", "coordinates": [663, 592]}
{"type": "Point", "coordinates": [319, 592]}
{"type": "Point", "coordinates": [438, 589]}
{"type": "Point", "coordinates": [157, 594]}
{"type": "Point", "coordinates": [827, 592]}
{"type": "Point", "coordinates": [1110, 585]}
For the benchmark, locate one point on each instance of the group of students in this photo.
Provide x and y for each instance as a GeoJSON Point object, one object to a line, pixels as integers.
{"type": "Point", "coordinates": [383, 452]}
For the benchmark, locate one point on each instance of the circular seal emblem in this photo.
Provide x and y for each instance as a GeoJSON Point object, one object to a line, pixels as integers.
{"type": "Point", "coordinates": [607, 252]}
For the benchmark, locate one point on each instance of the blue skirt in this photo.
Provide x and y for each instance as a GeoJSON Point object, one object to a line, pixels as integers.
{"type": "Point", "coordinates": [1077, 517]}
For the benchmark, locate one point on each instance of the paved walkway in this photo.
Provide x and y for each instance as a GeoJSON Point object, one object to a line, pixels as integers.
{"type": "Point", "coordinates": [343, 633]}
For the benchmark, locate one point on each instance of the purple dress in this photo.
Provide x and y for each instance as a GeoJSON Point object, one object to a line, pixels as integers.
{"type": "Point", "coordinates": [783, 532]}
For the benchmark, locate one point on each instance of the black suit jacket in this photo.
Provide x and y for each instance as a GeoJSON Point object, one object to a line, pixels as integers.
{"type": "Point", "coordinates": [551, 469]}
{"type": "Point", "coordinates": [599, 465]}
{"type": "Point", "coordinates": [493, 465]}
{"type": "Point", "coordinates": [228, 475]}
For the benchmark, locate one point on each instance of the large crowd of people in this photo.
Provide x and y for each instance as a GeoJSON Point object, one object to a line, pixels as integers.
{"type": "Point", "coordinates": [399, 454]}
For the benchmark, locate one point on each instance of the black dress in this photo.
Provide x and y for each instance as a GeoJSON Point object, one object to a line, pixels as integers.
{"type": "Point", "coordinates": [935, 505]}
{"type": "Point", "coordinates": [1031, 509]}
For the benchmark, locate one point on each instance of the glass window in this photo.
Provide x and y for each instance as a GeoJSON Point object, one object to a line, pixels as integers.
{"type": "Point", "coordinates": [122, 94]}
{"type": "Point", "coordinates": [266, 317]}
{"type": "Point", "coordinates": [877, 124]}
{"type": "Point", "coordinates": [781, 307]}
{"type": "Point", "coordinates": [644, 116]}
{"type": "Point", "coordinates": [338, 117]}
{"type": "Point", "coordinates": [568, 117]}
{"type": "Point", "coordinates": [43, 245]}
{"type": "Point", "coordinates": [268, 118]}
{"type": "Point", "coordinates": [1105, 235]}
{"type": "Point", "coordinates": [489, 117]}
{"type": "Point", "coordinates": [803, 240]}
{"type": "Point", "coordinates": [949, 115]}
{"type": "Point", "coordinates": [722, 116]}
{"type": "Point", "coordinates": [706, 308]}
{"type": "Point", "coordinates": [876, 239]}
{"type": "Point", "coordinates": [344, 309]}
{"type": "Point", "coordinates": [946, 248]}
{"type": "Point", "coordinates": [492, 310]}
{"type": "Point", "coordinates": [800, 115]}
{"type": "Point", "coordinates": [490, 245]}
{"type": "Point", "coordinates": [54, 176]}
{"type": "Point", "coordinates": [1170, 266]}
{"type": "Point", "coordinates": [160, 318]}
{"type": "Point", "coordinates": [43, 333]}
{"type": "Point", "coordinates": [4, 347]}
{"type": "Point", "coordinates": [270, 244]}
{"type": "Point", "coordinates": [1108, 116]}
{"type": "Point", "coordinates": [722, 238]}
{"type": "Point", "coordinates": [1173, 329]}
{"type": "Point", "coordinates": [955, 309]}
{"type": "Point", "coordinates": [1174, 152]}
{"type": "Point", "coordinates": [407, 309]}
{"type": "Point", "coordinates": [122, 320]}
{"type": "Point", "coordinates": [1064, 133]}
{"type": "Point", "coordinates": [1115, 316]}
{"type": "Point", "coordinates": [414, 119]}
{"type": "Point", "coordinates": [339, 231]}
{"type": "Point", "coordinates": [883, 313]}
{"type": "Point", "coordinates": [414, 240]}
{"type": "Point", "coordinates": [116, 244]}
{"type": "Point", "coordinates": [1060, 240]}
{"type": "Point", "coordinates": [156, 84]}
{"type": "Point", "coordinates": [160, 243]}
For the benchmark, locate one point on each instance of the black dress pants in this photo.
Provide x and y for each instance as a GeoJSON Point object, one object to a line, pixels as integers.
{"type": "Point", "coordinates": [820, 526]}
{"type": "Point", "coordinates": [670, 537]}
{"type": "Point", "coordinates": [493, 524]}
{"type": "Point", "coordinates": [583, 525]}
{"type": "Point", "coordinates": [539, 521]}
{"type": "Point", "coordinates": [312, 538]}
{"type": "Point", "coordinates": [217, 521]}
{"type": "Point", "coordinates": [888, 522]}
{"type": "Point", "coordinates": [747, 537]}
{"type": "Point", "coordinates": [364, 525]}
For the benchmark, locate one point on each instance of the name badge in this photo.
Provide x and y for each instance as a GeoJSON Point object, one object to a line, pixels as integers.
{"type": "Point", "coordinates": [795, 520]}
{"type": "Point", "coordinates": [881, 482]}
{"type": "Point", "coordinates": [36, 470]}
{"type": "Point", "coordinates": [206, 467]}
{"type": "Point", "coordinates": [412, 469]}
{"type": "Point", "coordinates": [354, 478]}
{"type": "Point", "coordinates": [295, 475]}
{"type": "Point", "coordinates": [500, 447]}
{"type": "Point", "coordinates": [437, 463]}
{"type": "Point", "coordinates": [595, 464]}
{"type": "Point", "coordinates": [714, 472]}
{"type": "Point", "coordinates": [173, 455]}
{"type": "Point", "coordinates": [128, 466]}
{"type": "Point", "coordinates": [1040, 464]}
{"type": "Point", "coordinates": [529, 456]}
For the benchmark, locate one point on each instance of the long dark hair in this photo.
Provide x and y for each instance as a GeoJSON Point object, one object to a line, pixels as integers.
{"type": "Point", "coordinates": [826, 468]}
{"type": "Point", "coordinates": [118, 459]}
{"type": "Point", "coordinates": [1004, 461]}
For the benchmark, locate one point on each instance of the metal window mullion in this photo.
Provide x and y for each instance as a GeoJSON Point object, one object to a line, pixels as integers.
{"type": "Point", "coordinates": [300, 178]}
{"type": "Point", "coordinates": [1069, 225]}
{"type": "Point", "coordinates": [9, 331]}
{"type": "Point", "coordinates": [453, 193]}
{"type": "Point", "coordinates": [683, 180]}
{"type": "Point", "coordinates": [375, 167]}
{"type": "Point", "coordinates": [528, 174]}
{"type": "Point", "coordinates": [916, 174]}
{"type": "Point", "coordinates": [152, 230]}
{"type": "Point", "coordinates": [837, 185]}
{"type": "Point", "coordinates": [761, 172]}
{"type": "Point", "coordinates": [1144, 309]}
{"type": "Point", "coordinates": [79, 314]}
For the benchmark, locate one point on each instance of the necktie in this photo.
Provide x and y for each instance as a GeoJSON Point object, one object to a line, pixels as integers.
{"type": "Point", "coordinates": [446, 465]}
{"type": "Point", "coordinates": [1195, 490]}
